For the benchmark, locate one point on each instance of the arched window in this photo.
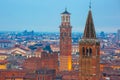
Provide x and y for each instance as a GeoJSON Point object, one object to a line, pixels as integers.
{"type": "Point", "coordinates": [87, 53]}
{"type": "Point", "coordinates": [67, 18]}
{"type": "Point", "coordinates": [83, 51]}
{"type": "Point", "coordinates": [97, 52]}
{"type": "Point", "coordinates": [63, 18]}
{"type": "Point", "coordinates": [69, 34]}
{"type": "Point", "coordinates": [90, 51]}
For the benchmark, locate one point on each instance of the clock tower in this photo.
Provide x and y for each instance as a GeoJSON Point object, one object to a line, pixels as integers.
{"type": "Point", "coordinates": [65, 42]}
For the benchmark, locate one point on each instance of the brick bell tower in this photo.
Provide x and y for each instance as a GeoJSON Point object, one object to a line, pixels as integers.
{"type": "Point", "coordinates": [89, 48]}
{"type": "Point", "coordinates": [65, 42]}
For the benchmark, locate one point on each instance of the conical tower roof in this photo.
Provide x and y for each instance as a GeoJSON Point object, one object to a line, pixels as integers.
{"type": "Point", "coordinates": [89, 32]}
{"type": "Point", "coordinates": [66, 12]}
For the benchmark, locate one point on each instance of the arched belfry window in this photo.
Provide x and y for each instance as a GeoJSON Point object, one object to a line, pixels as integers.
{"type": "Point", "coordinates": [83, 51]}
{"type": "Point", "coordinates": [63, 18]}
{"type": "Point", "coordinates": [90, 51]}
{"type": "Point", "coordinates": [67, 18]}
{"type": "Point", "coordinates": [97, 52]}
{"type": "Point", "coordinates": [87, 53]}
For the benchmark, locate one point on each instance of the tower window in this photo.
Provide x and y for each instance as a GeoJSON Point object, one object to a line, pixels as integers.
{"type": "Point", "coordinates": [97, 52]}
{"type": "Point", "coordinates": [69, 34]}
{"type": "Point", "coordinates": [87, 54]}
{"type": "Point", "coordinates": [90, 52]}
{"type": "Point", "coordinates": [83, 51]}
{"type": "Point", "coordinates": [67, 18]}
{"type": "Point", "coordinates": [63, 19]}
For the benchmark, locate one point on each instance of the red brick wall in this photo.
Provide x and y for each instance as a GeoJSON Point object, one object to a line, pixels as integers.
{"type": "Point", "coordinates": [47, 60]}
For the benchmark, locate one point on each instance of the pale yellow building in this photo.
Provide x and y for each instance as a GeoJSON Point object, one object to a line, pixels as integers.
{"type": "Point", "coordinates": [3, 64]}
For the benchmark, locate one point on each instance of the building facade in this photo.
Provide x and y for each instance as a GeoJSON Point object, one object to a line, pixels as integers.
{"type": "Point", "coordinates": [42, 74]}
{"type": "Point", "coordinates": [6, 44]}
{"type": "Point", "coordinates": [65, 42]}
{"type": "Point", "coordinates": [47, 60]}
{"type": "Point", "coordinates": [89, 48]}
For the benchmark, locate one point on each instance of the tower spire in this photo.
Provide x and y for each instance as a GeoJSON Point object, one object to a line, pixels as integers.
{"type": "Point", "coordinates": [89, 32]}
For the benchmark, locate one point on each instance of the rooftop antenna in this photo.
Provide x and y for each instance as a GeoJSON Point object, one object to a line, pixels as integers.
{"type": "Point", "coordinates": [65, 8]}
{"type": "Point", "coordinates": [90, 5]}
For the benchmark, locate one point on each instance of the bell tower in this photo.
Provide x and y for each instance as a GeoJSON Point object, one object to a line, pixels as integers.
{"type": "Point", "coordinates": [89, 48]}
{"type": "Point", "coordinates": [65, 42]}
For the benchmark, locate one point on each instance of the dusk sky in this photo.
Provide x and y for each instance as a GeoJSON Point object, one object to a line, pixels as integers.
{"type": "Point", "coordinates": [44, 15]}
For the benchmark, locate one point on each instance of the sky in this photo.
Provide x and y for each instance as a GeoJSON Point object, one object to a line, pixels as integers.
{"type": "Point", "coordinates": [44, 15]}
